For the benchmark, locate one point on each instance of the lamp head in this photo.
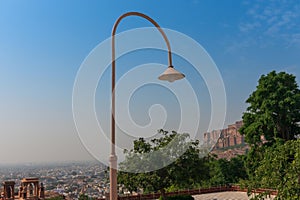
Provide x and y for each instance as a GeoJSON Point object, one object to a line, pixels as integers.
{"type": "Point", "coordinates": [171, 75]}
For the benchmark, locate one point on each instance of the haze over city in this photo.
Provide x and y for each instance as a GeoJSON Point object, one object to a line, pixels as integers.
{"type": "Point", "coordinates": [43, 44]}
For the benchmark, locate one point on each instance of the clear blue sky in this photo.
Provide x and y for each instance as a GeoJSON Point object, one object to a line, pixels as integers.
{"type": "Point", "coordinates": [43, 43]}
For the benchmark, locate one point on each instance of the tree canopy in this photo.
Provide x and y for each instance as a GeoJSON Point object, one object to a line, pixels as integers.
{"type": "Point", "coordinates": [279, 169]}
{"type": "Point", "coordinates": [224, 172]}
{"type": "Point", "coordinates": [184, 170]}
{"type": "Point", "coordinates": [274, 110]}
{"type": "Point", "coordinates": [271, 127]}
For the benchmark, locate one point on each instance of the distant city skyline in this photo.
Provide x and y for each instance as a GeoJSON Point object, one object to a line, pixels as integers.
{"type": "Point", "coordinates": [43, 44]}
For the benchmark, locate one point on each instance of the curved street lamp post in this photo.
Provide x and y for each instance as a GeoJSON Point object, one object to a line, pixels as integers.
{"type": "Point", "coordinates": [169, 75]}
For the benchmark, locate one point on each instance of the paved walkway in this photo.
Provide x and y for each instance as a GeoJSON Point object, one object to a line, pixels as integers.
{"type": "Point", "coordinates": [224, 196]}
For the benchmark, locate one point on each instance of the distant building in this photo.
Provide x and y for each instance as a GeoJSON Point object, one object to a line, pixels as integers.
{"type": "Point", "coordinates": [227, 143]}
{"type": "Point", "coordinates": [224, 138]}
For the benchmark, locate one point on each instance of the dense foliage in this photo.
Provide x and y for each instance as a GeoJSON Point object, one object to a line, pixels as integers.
{"type": "Point", "coordinates": [155, 165]}
{"type": "Point", "coordinates": [279, 170]}
{"type": "Point", "coordinates": [274, 110]}
{"type": "Point", "coordinates": [271, 126]}
{"type": "Point", "coordinates": [225, 172]}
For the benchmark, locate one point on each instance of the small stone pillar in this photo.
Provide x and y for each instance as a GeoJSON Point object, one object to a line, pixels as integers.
{"type": "Point", "coordinates": [42, 191]}
{"type": "Point", "coordinates": [9, 190]}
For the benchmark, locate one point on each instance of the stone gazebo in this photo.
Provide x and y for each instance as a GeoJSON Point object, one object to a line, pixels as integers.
{"type": "Point", "coordinates": [30, 189]}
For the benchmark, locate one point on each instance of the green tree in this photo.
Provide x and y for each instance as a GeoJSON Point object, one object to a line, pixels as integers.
{"type": "Point", "coordinates": [274, 110]}
{"type": "Point", "coordinates": [177, 162]}
{"type": "Point", "coordinates": [273, 114]}
{"type": "Point", "coordinates": [271, 123]}
{"type": "Point", "coordinates": [216, 172]}
{"type": "Point", "coordinates": [224, 171]}
{"type": "Point", "coordinates": [237, 169]}
{"type": "Point", "coordinates": [279, 170]}
{"type": "Point", "coordinates": [192, 168]}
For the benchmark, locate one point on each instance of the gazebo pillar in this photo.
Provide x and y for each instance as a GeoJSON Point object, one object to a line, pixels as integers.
{"type": "Point", "coordinates": [9, 190]}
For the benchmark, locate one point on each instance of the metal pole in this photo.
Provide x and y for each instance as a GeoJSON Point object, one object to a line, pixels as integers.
{"type": "Point", "coordinates": [113, 157]}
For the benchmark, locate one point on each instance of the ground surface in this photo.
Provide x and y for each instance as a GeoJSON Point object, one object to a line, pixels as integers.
{"type": "Point", "coordinates": [224, 196]}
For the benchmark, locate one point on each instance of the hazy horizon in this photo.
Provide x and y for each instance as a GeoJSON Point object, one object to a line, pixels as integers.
{"type": "Point", "coordinates": [44, 43]}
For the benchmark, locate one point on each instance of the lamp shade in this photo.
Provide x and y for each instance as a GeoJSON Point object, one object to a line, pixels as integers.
{"type": "Point", "coordinates": [171, 75]}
